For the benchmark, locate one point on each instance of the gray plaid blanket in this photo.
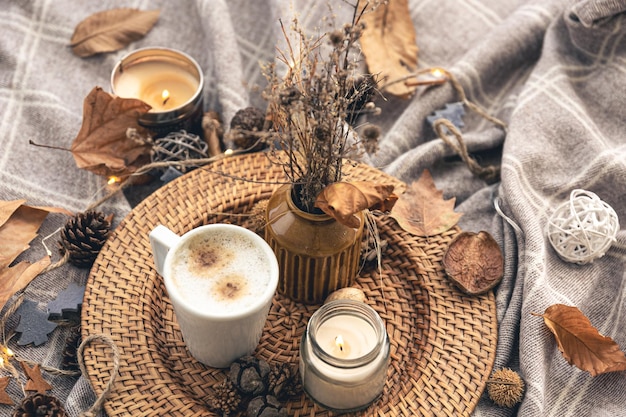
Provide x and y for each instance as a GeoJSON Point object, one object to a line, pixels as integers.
{"type": "Point", "coordinates": [554, 71]}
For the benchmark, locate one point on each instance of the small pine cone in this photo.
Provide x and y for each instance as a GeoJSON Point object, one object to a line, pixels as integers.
{"type": "Point", "coordinates": [249, 375]}
{"type": "Point", "coordinates": [243, 126]}
{"type": "Point", "coordinates": [505, 387]}
{"type": "Point", "coordinates": [70, 359]}
{"type": "Point", "coordinates": [83, 237]}
{"type": "Point", "coordinates": [225, 398]}
{"type": "Point", "coordinates": [283, 380]}
{"type": "Point", "coordinates": [265, 406]}
{"type": "Point", "coordinates": [40, 405]}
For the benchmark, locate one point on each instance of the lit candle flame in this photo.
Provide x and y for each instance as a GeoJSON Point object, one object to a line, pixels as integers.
{"type": "Point", "coordinates": [165, 95]}
{"type": "Point", "coordinates": [339, 342]}
{"type": "Point", "coordinates": [112, 180]}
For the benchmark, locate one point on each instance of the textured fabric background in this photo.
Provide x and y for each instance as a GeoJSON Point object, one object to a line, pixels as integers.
{"type": "Point", "coordinates": [554, 70]}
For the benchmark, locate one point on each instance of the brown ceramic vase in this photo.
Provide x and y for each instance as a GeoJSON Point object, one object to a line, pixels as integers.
{"type": "Point", "coordinates": [316, 254]}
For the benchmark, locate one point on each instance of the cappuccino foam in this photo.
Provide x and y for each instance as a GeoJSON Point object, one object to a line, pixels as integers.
{"type": "Point", "coordinates": [219, 273]}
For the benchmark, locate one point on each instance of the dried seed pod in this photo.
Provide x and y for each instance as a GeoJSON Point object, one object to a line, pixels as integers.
{"type": "Point", "coordinates": [505, 387]}
{"type": "Point", "coordinates": [266, 406]}
{"type": "Point", "coordinates": [250, 375]}
{"type": "Point", "coordinates": [474, 262]}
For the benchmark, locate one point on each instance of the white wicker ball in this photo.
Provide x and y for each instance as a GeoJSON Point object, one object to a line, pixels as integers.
{"type": "Point", "coordinates": [583, 228]}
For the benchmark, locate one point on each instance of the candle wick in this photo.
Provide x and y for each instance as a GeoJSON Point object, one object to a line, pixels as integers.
{"type": "Point", "coordinates": [165, 100]}
{"type": "Point", "coordinates": [341, 348]}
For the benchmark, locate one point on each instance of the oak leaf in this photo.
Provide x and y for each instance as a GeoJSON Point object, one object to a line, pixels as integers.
{"type": "Point", "coordinates": [474, 262]}
{"type": "Point", "coordinates": [580, 343]}
{"type": "Point", "coordinates": [342, 200]}
{"type": "Point", "coordinates": [110, 30]}
{"type": "Point", "coordinates": [389, 44]}
{"type": "Point", "coordinates": [422, 211]}
{"type": "Point", "coordinates": [102, 145]}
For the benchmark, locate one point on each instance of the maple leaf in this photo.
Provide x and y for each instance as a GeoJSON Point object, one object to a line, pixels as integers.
{"type": "Point", "coordinates": [422, 211]}
{"type": "Point", "coordinates": [388, 43]}
{"type": "Point", "coordinates": [342, 200]}
{"type": "Point", "coordinates": [580, 343]}
{"type": "Point", "coordinates": [101, 145]}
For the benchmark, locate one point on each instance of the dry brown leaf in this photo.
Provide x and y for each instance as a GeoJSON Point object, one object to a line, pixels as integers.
{"type": "Point", "coordinates": [111, 30]}
{"type": "Point", "coordinates": [19, 224]}
{"type": "Point", "coordinates": [18, 277]}
{"type": "Point", "coordinates": [474, 262]}
{"type": "Point", "coordinates": [388, 43]}
{"type": "Point", "coordinates": [422, 211]}
{"type": "Point", "coordinates": [580, 343]}
{"type": "Point", "coordinates": [342, 200]}
{"type": "Point", "coordinates": [101, 145]}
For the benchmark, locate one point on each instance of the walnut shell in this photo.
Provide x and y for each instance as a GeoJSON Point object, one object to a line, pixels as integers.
{"type": "Point", "coordinates": [474, 262]}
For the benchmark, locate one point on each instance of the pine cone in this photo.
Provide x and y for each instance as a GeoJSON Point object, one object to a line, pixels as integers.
{"type": "Point", "coordinates": [249, 375]}
{"type": "Point", "coordinates": [70, 360]}
{"type": "Point", "coordinates": [40, 405]}
{"type": "Point", "coordinates": [83, 237]}
{"type": "Point", "coordinates": [225, 398]}
{"type": "Point", "coordinates": [284, 380]}
{"type": "Point", "coordinates": [266, 406]}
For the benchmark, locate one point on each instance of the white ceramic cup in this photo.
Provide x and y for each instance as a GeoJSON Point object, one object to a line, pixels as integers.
{"type": "Point", "coordinates": [221, 279]}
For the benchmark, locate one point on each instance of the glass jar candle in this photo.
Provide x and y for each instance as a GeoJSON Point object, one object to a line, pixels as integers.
{"type": "Point", "coordinates": [344, 356]}
{"type": "Point", "coordinates": [170, 81]}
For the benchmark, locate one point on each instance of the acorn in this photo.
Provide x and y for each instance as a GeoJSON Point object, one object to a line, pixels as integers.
{"type": "Point", "coordinates": [505, 387]}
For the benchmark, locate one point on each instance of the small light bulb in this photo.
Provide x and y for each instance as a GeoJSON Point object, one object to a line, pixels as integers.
{"type": "Point", "coordinates": [10, 353]}
{"type": "Point", "coordinates": [228, 152]}
{"type": "Point", "coordinates": [112, 180]}
{"type": "Point", "coordinates": [437, 73]}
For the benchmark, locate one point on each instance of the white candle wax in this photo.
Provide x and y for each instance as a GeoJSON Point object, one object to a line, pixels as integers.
{"type": "Point", "coordinates": [353, 374]}
{"type": "Point", "coordinates": [148, 80]}
{"type": "Point", "coordinates": [357, 337]}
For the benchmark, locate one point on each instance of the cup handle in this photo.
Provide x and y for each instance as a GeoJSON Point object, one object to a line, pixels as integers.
{"type": "Point", "coordinates": [161, 240]}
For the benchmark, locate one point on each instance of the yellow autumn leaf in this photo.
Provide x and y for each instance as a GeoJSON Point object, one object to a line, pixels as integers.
{"type": "Point", "coordinates": [389, 43]}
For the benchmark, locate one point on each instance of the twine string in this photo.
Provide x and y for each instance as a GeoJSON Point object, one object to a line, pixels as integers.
{"type": "Point", "coordinates": [487, 173]}
{"type": "Point", "coordinates": [106, 340]}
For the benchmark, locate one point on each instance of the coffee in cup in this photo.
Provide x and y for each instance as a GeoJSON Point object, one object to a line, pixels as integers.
{"type": "Point", "coordinates": [221, 280]}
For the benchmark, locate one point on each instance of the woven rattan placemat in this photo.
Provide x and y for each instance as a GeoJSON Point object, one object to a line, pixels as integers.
{"type": "Point", "coordinates": [442, 342]}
